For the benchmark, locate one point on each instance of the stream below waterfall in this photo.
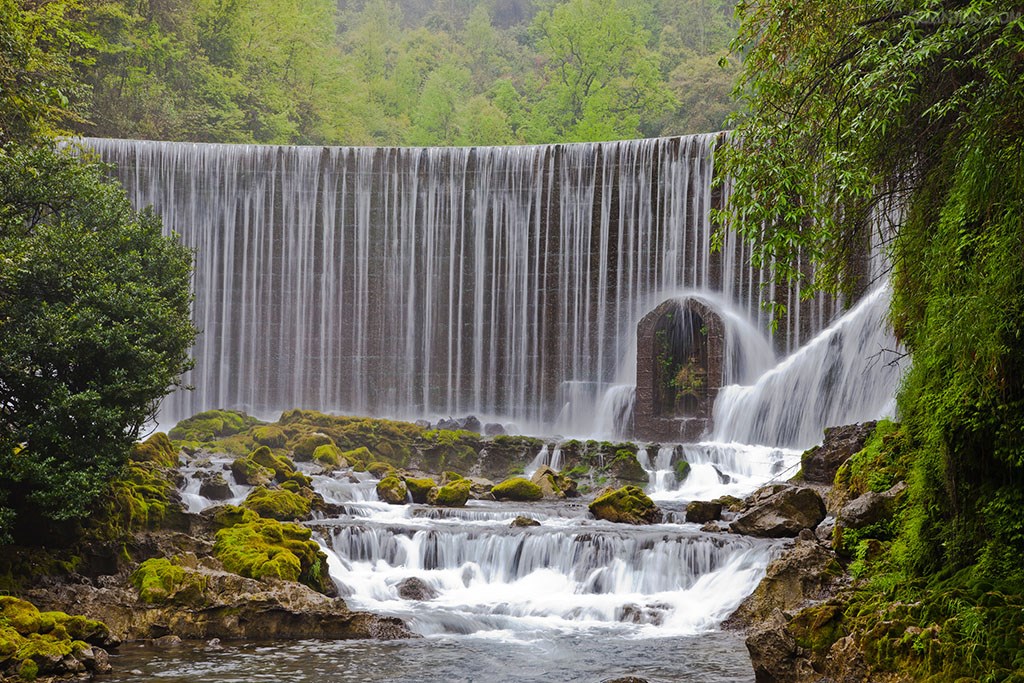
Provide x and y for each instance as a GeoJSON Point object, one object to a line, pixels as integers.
{"type": "Point", "coordinates": [573, 599]}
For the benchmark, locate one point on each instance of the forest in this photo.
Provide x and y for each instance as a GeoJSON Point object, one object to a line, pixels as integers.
{"type": "Point", "coordinates": [380, 72]}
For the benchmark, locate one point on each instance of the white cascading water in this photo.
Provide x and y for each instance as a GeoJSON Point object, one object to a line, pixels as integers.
{"type": "Point", "coordinates": [848, 373]}
{"type": "Point", "coordinates": [503, 282]}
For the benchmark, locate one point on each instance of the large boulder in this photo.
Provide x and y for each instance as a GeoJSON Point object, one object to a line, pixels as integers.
{"type": "Point", "coordinates": [392, 490]}
{"type": "Point", "coordinates": [820, 464]}
{"type": "Point", "coordinates": [808, 571]}
{"type": "Point", "coordinates": [453, 495]}
{"type": "Point", "coordinates": [781, 514]}
{"type": "Point", "coordinates": [628, 505]}
{"type": "Point", "coordinates": [213, 486]}
{"type": "Point", "coordinates": [774, 653]}
{"type": "Point", "coordinates": [702, 511]}
{"type": "Point", "coordinates": [230, 607]}
{"type": "Point", "coordinates": [419, 488]}
{"type": "Point", "coordinates": [870, 508]}
{"type": "Point", "coordinates": [517, 488]}
{"type": "Point", "coordinates": [554, 485]}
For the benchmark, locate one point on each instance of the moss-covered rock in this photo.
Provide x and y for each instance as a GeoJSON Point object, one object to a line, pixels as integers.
{"type": "Point", "coordinates": [280, 504]}
{"type": "Point", "coordinates": [229, 515]}
{"type": "Point", "coordinates": [440, 449]}
{"type": "Point", "coordinates": [419, 488]}
{"type": "Point", "coordinates": [270, 435]}
{"type": "Point", "coordinates": [144, 497]}
{"type": "Point", "coordinates": [681, 468]}
{"type": "Point", "coordinates": [162, 581]}
{"type": "Point", "coordinates": [359, 456]}
{"type": "Point", "coordinates": [212, 424]}
{"type": "Point", "coordinates": [269, 549]}
{"type": "Point", "coordinates": [628, 505]}
{"type": "Point", "coordinates": [454, 494]}
{"type": "Point", "coordinates": [626, 467]}
{"type": "Point", "coordinates": [329, 456]}
{"type": "Point", "coordinates": [379, 469]}
{"type": "Point", "coordinates": [34, 643]}
{"type": "Point", "coordinates": [392, 490]}
{"type": "Point", "coordinates": [250, 473]}
{"type": "Point", "coordinates": [305, 446]}
{"type": "Point", "coordinates": [157, 449]}
{"type": "Point", "coordinates": [282, 466]}
{"type": "Point", "coordinates": [517, 488]}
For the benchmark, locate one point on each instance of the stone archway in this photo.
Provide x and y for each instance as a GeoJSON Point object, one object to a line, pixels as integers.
{"type": "Point", "coordinates": [679, 370]}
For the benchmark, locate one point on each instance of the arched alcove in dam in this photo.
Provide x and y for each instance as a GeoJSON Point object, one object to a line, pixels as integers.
{"type": "Point", "coordinates": [680, 346]}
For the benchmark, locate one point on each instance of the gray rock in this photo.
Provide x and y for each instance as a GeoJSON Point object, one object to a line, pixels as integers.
{"type": "Point", "coordinates": [774, 652]}
{"type": "Point", "coordinates": [493, 429]}
{"type": "Point", "coordinates": [808, 571]}
{"type": "Point", "coordinates": [522, 521]}
{"type": "Point", "coordinates": [781, 514]}
{"type": "Point", "coordinates": [414, 588]}
{"type": "Point", "coordinates": [820, 464]}
{"type": "Point", "coordinates": [215, 487]}
{"type": "Point", "coordinates": [702, 511]}
{"type": "Point", "coordinates": [870, 508]}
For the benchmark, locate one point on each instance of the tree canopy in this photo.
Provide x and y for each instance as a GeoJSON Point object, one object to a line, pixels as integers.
{"type": "Point", "coordinates": [414, 72]}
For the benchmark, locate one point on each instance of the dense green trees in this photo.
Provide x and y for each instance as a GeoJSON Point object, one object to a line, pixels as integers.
{"type": "Point", "coordinates": [415, 72]}
{"type": "Point", "coordinates": [94, 301]}
{"type": "Point", "coordinates": [911, 113]}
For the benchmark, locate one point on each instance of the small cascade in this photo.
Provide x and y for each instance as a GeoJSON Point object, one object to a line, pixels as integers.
{"type": "Point", "coordinates": [614, 418]}
{"type": "Point", "coordinates": [576, 575]}
{"type": "Point", "coordinates": [846, 374]}
{"type": "Point", "coordinates": [544, 457]}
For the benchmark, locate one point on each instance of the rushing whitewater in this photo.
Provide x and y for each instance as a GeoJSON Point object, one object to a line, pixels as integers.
{"type": "Point", "coordinates": [848, 373]}
{"type": "Point", "coordinates": [500, 282]}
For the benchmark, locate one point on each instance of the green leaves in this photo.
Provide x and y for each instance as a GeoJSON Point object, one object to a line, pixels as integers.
{"type": "Point", "coordinates": [94, 328]}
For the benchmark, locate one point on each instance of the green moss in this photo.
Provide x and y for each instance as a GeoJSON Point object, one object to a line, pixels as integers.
{"type": "Point", "coordinates": [681, 469]}
{"type": "Point", "coordinates": [229, 515]}
{"type": "Point", "coordinates": [454, 494]}
{"type": "Point", "coordinates": [270, 435]}
{"type": "Point", "coordinates": [329, 456]}
{"type": "Point", "coordinates": [31, 642]}
{"type": "Point", "coordinates": [305, 446]}
{"type": "Point", "coordinates": [419, 488]}
{"type": "Point", "coordinates": [817, 628]}
{"type": "Point", "coordinates": [625, 466]}
{"type": "Point", "coordinates": [876, 467]}
{"type": "Point", "coordinates": [392, 489]}
{"type": "Point", "coordinates": [20, 615]}
{"type": "Point", "coordinates": [163, 581]}
{"type": "Point", "coordinates": [628, 504]}
{"type": "Point", "coordinates": [211, 424]}
{"type": "Point", "coordinates": [144, 497]}
{"type": "Point", "coordinates": [379, 469]}
{"type": "Point", "coordinates": [517, 488]}
{"type": "Point", "coordinates": [279, 504]}
{"type": "Point", "coordinates": [268, 549]}
{"type": "Point", "coordinates": [356, 456]}
{"type": "Point", "coordinates": [157, 449]}
{"type": "Point", "coordinates": [248, 472]}
{"type": "Point", "coordinates": [28, 670]}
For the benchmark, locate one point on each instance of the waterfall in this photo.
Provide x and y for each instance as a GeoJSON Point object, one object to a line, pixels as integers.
{"type": "Point", "coordinates": [846, 374]}
{"type": "Point", "coordinates": [502, 281]}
